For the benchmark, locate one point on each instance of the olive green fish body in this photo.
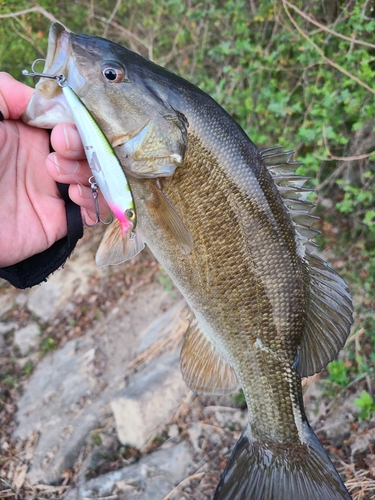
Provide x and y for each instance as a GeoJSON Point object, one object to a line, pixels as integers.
{"type": "Point", "coordinates": [231, 227]}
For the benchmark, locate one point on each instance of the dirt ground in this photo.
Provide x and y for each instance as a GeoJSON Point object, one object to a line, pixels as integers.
{"type": "Point", "coordinates": [349, 441]}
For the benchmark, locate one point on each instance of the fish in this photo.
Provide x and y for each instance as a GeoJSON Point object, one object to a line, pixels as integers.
{"type": "Point", "coordinates": [232, 227]}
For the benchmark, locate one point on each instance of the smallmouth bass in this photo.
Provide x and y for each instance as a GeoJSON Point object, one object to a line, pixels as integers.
{"type": "Point", "coordinates": [231, 226]}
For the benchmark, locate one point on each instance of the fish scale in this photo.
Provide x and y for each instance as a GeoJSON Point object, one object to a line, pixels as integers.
{"type": "Point", "coordinates": [231, 226]}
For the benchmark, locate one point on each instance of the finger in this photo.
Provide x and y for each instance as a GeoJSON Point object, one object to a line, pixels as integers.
{"type": "Point", "coordinates": [82, 196]}
{"type": "Point", "coordinates": [66, 141]}
{"type": "Point", "coordinates": [67, 171]}
{"type": "Point", "coordinates": [14, 97]}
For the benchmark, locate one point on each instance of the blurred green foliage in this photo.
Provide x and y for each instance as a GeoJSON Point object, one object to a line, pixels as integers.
{"type": "Point", "coordinates": [296, 73]}
{"type": "Point", "coordinates": [48, 344]}
{"type": "Point", "coordinates": [338, 373]}
{"type": "Point", "coordinates": [367, 405]}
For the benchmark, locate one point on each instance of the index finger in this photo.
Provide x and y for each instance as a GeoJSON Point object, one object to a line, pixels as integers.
{"type": "Point", "coordinates": [14, 97]}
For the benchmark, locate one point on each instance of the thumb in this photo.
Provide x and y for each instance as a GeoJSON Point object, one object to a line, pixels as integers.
{"type": "Point", "coordinates": [14, 97]}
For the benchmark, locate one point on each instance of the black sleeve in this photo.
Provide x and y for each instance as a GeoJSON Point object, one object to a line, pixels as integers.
{"type": "Point", "coordinates": [37, 268]}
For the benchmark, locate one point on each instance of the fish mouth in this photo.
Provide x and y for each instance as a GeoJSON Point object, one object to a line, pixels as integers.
{"type": "Point", "coordinates": [47, 106]}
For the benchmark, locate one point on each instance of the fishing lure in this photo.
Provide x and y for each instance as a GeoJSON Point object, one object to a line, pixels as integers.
{"type": "Point", "coordinates": [105, 167]}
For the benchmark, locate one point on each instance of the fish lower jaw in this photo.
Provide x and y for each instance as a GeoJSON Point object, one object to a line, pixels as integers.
{"type": "Point", "coordinates": [46, 113]}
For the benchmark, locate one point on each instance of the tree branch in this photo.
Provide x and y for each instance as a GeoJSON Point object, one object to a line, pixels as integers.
{"type": "Point", "coordinates": [325, 28]}
{"type": "Point", "coordinates": [321, 53]}
{"type": "Point", "coordinates": [37, 8]}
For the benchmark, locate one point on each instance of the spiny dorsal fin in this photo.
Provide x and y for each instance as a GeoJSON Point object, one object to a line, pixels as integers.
{"type": "Point", "coordinates": [280, 161]}
{"type": "Point", "coordinates": [203, 367]}
{"type": "Point", "coordinates": [329, 316]}
{"type": "Point", "coordinates": [281, 167]}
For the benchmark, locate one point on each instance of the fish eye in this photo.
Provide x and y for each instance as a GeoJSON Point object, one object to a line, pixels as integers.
{"type": "Point", "coordinates": [113, 72]}
{"type": "Point", "coordinates": [130, 214]}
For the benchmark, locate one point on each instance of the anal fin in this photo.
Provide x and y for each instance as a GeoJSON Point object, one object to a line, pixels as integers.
{"type": "Point", "coordinates": [203, 367]}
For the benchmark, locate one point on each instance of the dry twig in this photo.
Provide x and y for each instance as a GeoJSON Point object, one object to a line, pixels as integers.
{"type": "Point", "coordinates": [286, 4]}
{"type": "Point", "coordinates": [183, 483]}
{"type": "Point", "coordinates": [333, 157]}
{"type": "Point", "coordinates": [329, 30]}
{"type": "Point", "coordinates": [37, 8]}
{"type": "Point", "coordinates": [110, 19]}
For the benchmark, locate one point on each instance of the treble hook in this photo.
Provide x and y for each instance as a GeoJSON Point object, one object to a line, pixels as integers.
{"type": "Point", "coordinates": [61, 78]}
{"type": "Point", "coordinates": [95, 193]}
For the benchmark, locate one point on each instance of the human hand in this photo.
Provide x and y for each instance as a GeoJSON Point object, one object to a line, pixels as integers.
{"type": "Point", "coordinates": [32, 212]}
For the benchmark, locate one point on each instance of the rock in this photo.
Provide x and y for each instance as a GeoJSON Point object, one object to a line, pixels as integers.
{"type": "Point", "coordinates": [173, 431]}
{"type": "Point", "coordinates": [7, 327]}
{"type": "Point", "coordinates": [21, 299]}
{"type": "Point", "coordinates": [152, 478]}
{"type": "Point", "coordinates": [4, 329]}
{"type": "Point", "coordinates": [195, 432]}
{"type": "Point", "coordinates": [70, 389]}
{"type": "Point", "coordinates": [27, 338]}
{"type": "Point", "coordinates": [43, 301]}
{"type": "Point", "coordinates": [154, 395]}
{"type": "Point", "coordinates": [363, 442]}
{"type": "Point", "coordinates": [6, 303]}
{"type": "Point", "coordinates": [54, 296]}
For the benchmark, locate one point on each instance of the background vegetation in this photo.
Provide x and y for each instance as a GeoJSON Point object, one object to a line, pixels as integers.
{"type": "Point", "coordinates": [298, 73]}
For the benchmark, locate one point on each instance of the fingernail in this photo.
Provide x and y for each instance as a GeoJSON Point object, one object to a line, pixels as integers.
{"type": "Point", "coordinates": [56, 163]}
{"type": "Point", "coordinates": [72, 140]}
{"type": "Point", "coordinates": [66, 166]}
{"type": "Point", "coordinates": [70, 167]}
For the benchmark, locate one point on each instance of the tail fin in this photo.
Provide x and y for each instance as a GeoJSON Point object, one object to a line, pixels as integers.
{"type": "Point", "coordinates": [264, 471]}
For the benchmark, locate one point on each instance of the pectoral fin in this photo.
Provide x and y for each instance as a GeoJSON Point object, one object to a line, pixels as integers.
{"type": "Point", "coordinates": [162, 208]}
{"type": "Point", "coordinates": [203, 367]}
{"type": "Point", "coordinates": [114, 248]}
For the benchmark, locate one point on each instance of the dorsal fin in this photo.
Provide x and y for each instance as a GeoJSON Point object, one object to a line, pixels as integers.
{"type": "Point", "coordinates": [280, 161]}
{"type": "Point", "coordinates": [203, 367]}
{"type": "Point", "coordinates": [281, 166]}
{"type": "Point", "coordinates": [329, 316]}
{"type": "Point", "coordinates": [329, 304]}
